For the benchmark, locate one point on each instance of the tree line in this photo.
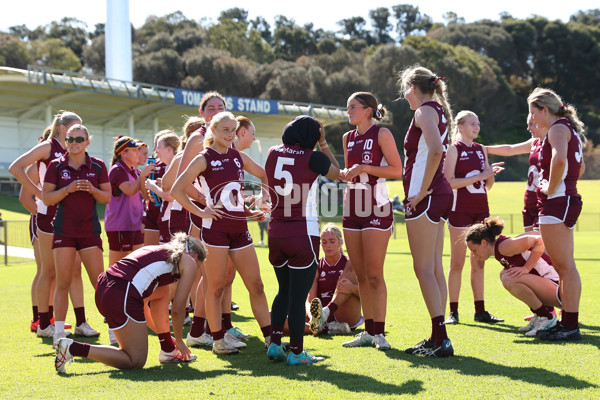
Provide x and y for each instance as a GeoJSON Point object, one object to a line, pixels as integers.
{"type": "Point", "coordinates": [490, 66]}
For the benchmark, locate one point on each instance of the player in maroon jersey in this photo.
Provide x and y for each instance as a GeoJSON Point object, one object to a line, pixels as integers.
{"type": "Point", "coordinates": [371, 157]}
{"type": "Point", "coordinates": [220, 171]}
{"type": "Point", "coordinates": [561, 163]}
{"type": "Point", "coordinates": [150, 221]}
{"type": "Point", "coordinates": [42, 154]}
{"type": "Point", "coordinates": [335, 285]}
{"type": "Point", "coordinates": [293, 169]}
{"type": "Point", "coordinates": [528, 273]}
{"type": "Point", "coordinates": [120, 294]}
{"type": "Point", "coordinates": [532, 147]}
{"type": "Point", "coordinates": [468, 171]}
{"type": "Point", "coordinates": [75, 183]}
{"type": "Point", "coordinates": [428, 196]}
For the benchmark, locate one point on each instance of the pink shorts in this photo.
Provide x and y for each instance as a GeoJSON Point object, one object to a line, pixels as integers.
{"type": "Point", "coordinates": [124, 240]}
{"type": "Point", "coordinates": [380, 223]}
{"type": "Point", "coordinates": [231, 241]}
{"type": "Point", "coordinates": [565, 209]}
{"type": "Point", "coordinates": [297, 252]}
{"type": "Point", "coordinates": [464, 220]}
{"type": "Point", "coordinates": [44, 223]}
{"type": "Point", "coordinates": [530, 217]}
{"type": "Point", "coordinates": [59, 241]}
{"type": "Point", "coordinates": [436, 208]}
{"type": "Point", "coordinates": [33, 227]}
{"type": "Point", "coordinates": [118, 301]}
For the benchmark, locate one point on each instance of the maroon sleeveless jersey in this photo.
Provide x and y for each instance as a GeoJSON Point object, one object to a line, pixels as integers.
{"type": "Point", "coordinates": [221, 183]}
{"type": "Point", "coordinates": [146, 268]}
{"type": "Point", "coordinates": [470, 161]}
{"type": "Point", "coordinates": [542, 268]}
{"type": "Point", "coordinates": [366, 192]}
{"type": "Point", "coordinates": [533, 174]}
{"type": "Point", "coordinates": [327, 278]}
{"type": "Point", "coordinates": [568, 182]}
{"type": "Point", "coordinates": [56, 151]}
{"type": "Point", "coordinates": [415, 157]}
{"type": "Point", "coordinates": [293, 190]}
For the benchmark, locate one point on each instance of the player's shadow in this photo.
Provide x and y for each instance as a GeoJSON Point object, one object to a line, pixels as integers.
{"type": "Point", "coordinates": [237, 317]}
{"type": "Point", "coordinates": [260, 367]}
{"type": "Point", "coordinates": [476, 367]}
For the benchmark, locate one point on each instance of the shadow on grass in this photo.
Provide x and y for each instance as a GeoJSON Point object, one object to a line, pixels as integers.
{"type": "Point", "coordinates": [476, 367]}
{"type": "Point", "coordinates": [254, 364]}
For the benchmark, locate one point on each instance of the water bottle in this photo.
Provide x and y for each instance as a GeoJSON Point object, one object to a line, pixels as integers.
{"type": "Point", "coordinates": [157, 199]}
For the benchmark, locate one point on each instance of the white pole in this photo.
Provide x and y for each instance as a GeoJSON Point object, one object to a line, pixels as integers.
{"type": "Point", "coordinates": [118, 40]}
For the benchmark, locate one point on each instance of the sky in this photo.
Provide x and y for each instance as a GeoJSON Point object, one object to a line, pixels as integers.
{"type": "Point", "coordinates": [323, 14]}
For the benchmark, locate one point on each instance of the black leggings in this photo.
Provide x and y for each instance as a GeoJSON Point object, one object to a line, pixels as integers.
{"type": "Point", "coordinates": [294, 285]}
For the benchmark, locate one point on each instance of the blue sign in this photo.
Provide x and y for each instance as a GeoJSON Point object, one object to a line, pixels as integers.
{"type": "Point", "coordinates": [242, 104]}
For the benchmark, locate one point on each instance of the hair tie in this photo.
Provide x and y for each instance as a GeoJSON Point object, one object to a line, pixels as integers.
{"type": "Point", "coordinates": [437, 78]}
{"type": "Point", "coordinates": [566, 105]}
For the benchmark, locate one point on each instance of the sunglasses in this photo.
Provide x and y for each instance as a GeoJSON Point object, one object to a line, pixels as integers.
{"type": "Point", "coordinates": [78, 139]}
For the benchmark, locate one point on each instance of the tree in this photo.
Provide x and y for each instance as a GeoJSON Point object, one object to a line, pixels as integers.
{"type": "Point", "coordinates": [162, 67]}
{"type": "Point", "coordinates": [292, 41]}
{"type": "Point", "coordinates": [235, 14]}
{"type": "Point", "coordinates": [53, 53]}
{"type": "Point", "coordinates": [72, 32]}
{"type": "Point", "coordinates": [94, 55]}
{"type": "Point", "coordinates": [589, 17]}
{"type": "Point", "coordinates": [188, 38]}
{"type": "Point", "coordinates": [380, 19]}
{"type": "Point", "coordinates": [354, 27]}
{"type": "Point", "coordinates": [161, 40]}
{"type": "Point", "coordinates": [410, 20]}
{"type": "Point", "coordinates": [13, 52]}
{"type": "Point", "coordinates": [452, 18]}
{"type": "Point", "coordinates": [262, 26]}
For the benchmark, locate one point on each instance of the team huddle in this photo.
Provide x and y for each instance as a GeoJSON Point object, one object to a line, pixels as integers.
{"type": "Point", "coordinates": [178, 233]}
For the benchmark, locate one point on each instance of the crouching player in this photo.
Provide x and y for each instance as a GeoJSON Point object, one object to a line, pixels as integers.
{"type": "Point", "coordinates": [528, 273]}
{"type": "Point", "coordinates": [120, 295]}
{"type": "Point", "coordinates": [335, 285]}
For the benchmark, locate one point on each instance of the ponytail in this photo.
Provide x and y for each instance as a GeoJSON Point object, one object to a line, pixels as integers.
{"type": "Point", "coordinates": [64, 118]}
{"type": "Point", "coordinates": [183, 243]}
{"type": "Point", "coordinates": [541, 97]}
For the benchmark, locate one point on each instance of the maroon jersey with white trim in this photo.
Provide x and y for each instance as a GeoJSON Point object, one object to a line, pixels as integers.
{"type": "Point", "coordinates": [328, 276]}
{"type": "Point", "coordinates": [221, 183]}
{"type": "Point", "coordinates": [293, 190]}
{"type": "Point", "coordinates": [533, 175]}
{"type": "Point", "coordinates": [415, 157]}
{"type": "Point", "coordinates": [542, 268]}
{"type": "Point", "coordinates": [470, 161]}
{"type": "Point", "coordinates": [56, 151]}
{"type": "Point", "coordinates": [146, 268]}
{"type": "Point", "coordinates": [76, 215]}
{"type": "Point", "coordinates": [568, 182]}
{"type": "Point", "coordinates": [365, 191]}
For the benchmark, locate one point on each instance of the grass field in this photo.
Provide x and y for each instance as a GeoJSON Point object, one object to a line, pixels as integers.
{"type": "Point", "coordinates": [490, 361]}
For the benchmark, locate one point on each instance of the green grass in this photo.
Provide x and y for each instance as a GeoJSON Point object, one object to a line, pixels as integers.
{"type": "Point", "coordinates": [490, 361]}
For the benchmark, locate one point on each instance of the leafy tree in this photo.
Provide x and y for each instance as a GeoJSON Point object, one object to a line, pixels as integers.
{"type": "Point", "coordinates": [235, 14]}
{"type": "Point", "coordinates": [162, 67]}
{"type": "Point", "coordinates": [72, 32]}
{"type": "Point", "coordinates": [188, 38]}
{"type": "Point", "coordinates": [13, 52]}
{"type": "Point", "coordinates": [94, 55]}
{"type": "Point", "coordinates": [410, 20]}
{"type": "Point", "coordinates": [292, 41]}
{"type": "Point", "coordinates": [261, 25]}
{"type": "Point", "coordinates": [161, 40]}
{"type": "Point", "coordinates": [380, 19]}
{"type": "Point", "coordinates": [589, 17]}
{"type": "Point", "coordinates": [53, 53]}
{"type": "Point", "coordinates": [169, 23]}
{"type": "Point", "coordinates": [354, 27]}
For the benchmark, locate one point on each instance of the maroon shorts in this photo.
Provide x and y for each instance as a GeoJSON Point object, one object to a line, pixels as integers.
{"type": "Point", "coordinates": [297, 251]}
{"type": "Point", "coordinates": [32, 227]}
{"type": "Point", "coordinates": [150, 219]}
{"type": "Point", "coordinates": [118, 301]}
{"type": "Point", "coordinates": [436, 208]}
{"type": "Point", "coordinates": [565, 209]}
{"type": "Point", "coordinates": [381, 223]}
{"type": "Point", "coordinates": [179, 221]}
{"type": "Point", "coordinates": [231, 241]}
{"type": "Point", "coordinates": [79, 243]}
{"type": "Point", "coordinates": [464, 220]}
{"type": "Point", "coordinates": [530, 217]}
{"type": "Point", "coordinates": [124, 240]}
{"type": "Point", "coordinates": [44, 223]}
